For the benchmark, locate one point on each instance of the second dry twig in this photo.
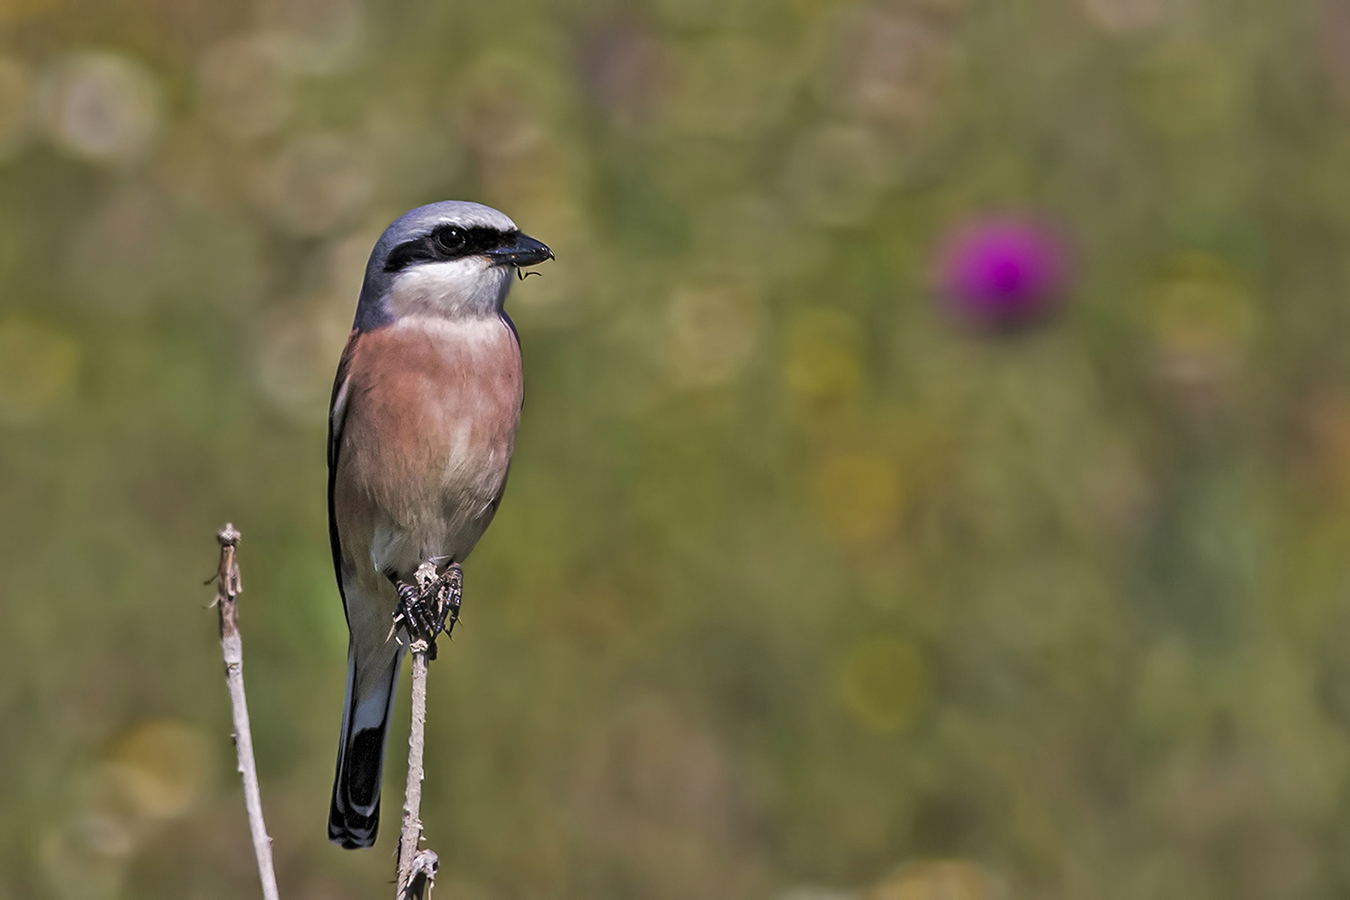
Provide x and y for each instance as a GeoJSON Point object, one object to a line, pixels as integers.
{"type": "Point", "coordinates": [228, 587]}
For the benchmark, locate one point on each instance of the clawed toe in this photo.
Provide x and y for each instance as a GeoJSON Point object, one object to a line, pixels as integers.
{"type": "Point", "coordinates": [416, 617]}
{"type": "Point", "coordinates": [452, 589]}
{"type": "Point", "coordinates": [423, 613]}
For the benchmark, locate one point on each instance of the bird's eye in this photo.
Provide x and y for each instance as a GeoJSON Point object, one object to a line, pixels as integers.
{"type": "Point", "coordinates": [449, 239]}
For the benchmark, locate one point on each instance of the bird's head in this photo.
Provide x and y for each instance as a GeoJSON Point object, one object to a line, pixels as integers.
{"type": "Point", "coordinates": [452, 259]}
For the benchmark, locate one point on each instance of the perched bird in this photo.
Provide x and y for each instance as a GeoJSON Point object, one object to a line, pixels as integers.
{"type": "Point", "coordinates": [420, 433]}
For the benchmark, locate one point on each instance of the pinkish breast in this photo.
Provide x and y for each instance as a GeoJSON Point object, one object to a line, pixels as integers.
{"type": "Point", "coordinates": [430, 426]}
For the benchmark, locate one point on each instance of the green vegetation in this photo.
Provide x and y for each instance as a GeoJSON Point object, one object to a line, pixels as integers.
{"type": "Point", "coordinates": [800, 589]}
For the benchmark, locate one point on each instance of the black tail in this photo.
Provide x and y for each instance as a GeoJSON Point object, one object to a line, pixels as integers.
{"type": "Point", "coordinates": [354, 817]}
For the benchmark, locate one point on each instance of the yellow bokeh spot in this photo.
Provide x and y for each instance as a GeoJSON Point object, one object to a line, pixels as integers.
{"type": "Point", "coordinates": [1201, 305]}
{"type": "Point", "coordinates": [37, 370]}
{"type": "Point", "coordinates": [22, 9]}
{"type": "Point", "coordinates": [944, 879]}
{"type": "Point", "coordinates": [884, 683]}
{"type": "Point", "coordinates": [858, 496]}
{"type": "Point", "coordinates": [710, 333]}
{"type": "Point", "coordinates": [160, 768]}
{"type": "Point", "coordinates": [1127, 16]}
{"type": "Point", "coordinates": [16, 104]}
{"type": "Point", "coordinates": [1184, 91]}
{"type": "Point", "coordinates": [824, 352]}
{"type": "Point", "coordinates": [102, 107]}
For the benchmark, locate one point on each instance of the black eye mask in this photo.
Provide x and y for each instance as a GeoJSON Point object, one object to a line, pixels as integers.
{"type": "Point", "coordinates": [446, 243]}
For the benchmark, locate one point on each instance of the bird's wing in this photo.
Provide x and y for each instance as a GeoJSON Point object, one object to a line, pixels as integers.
{"type": "Point", "coordinates": [496, 501]}
{"type": "Point", "coordinates": [337, 418]}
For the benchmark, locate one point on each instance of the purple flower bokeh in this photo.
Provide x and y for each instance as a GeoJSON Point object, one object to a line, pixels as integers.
{"type": "Point", "coordinates": [1003, 271]}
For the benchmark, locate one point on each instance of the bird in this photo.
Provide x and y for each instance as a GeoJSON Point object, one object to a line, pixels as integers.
{"type": "Point", "coordinates": [421, 429]}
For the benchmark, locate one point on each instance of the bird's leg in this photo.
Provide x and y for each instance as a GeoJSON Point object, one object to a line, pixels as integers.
{"type": "Point", "coordinates": [452, 583]}
{"type": "Point", "coordinates": [444, 594]}
{"type": "Point", "coordinates": [414, 613]}
{"type": "Point", "coordinates": [431, 606]}
{"type": "Point", "coordinates": [415, 610]}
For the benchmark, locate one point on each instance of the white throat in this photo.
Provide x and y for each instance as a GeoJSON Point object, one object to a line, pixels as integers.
{"type": "Point", "coordinates": [468, 287]}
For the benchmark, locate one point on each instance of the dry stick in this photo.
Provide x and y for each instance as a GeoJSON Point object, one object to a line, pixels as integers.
{"type": "Point", "coordinates": [416, 869]}
{"type": "Point", "coordinates": [227, 592]}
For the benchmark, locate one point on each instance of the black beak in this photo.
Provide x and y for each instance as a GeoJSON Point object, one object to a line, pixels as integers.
{"type": "Point", "coordinates": [520, 250]}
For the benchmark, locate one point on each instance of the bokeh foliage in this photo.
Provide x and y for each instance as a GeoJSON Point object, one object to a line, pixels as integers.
{"type": "Point", "coordinates": [800, 590]}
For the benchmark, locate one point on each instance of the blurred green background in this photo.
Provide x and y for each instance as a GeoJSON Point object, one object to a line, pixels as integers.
{"type": "Point", "coordinates": [801, 590]}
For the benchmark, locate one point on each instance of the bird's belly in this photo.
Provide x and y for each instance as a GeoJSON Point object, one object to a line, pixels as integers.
{"type": "Point", "coordinates": [426, 449]}
{"type": "Point", "coordinates": [439, 505]}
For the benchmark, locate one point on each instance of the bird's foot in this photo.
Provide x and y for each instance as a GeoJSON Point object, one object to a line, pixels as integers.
{"type": "Point", "coordinates": [429, 607]}
{"type": "Point", "coordinates": [415, 614]}
{"type": "Point", "coordinates": [452, 583]}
